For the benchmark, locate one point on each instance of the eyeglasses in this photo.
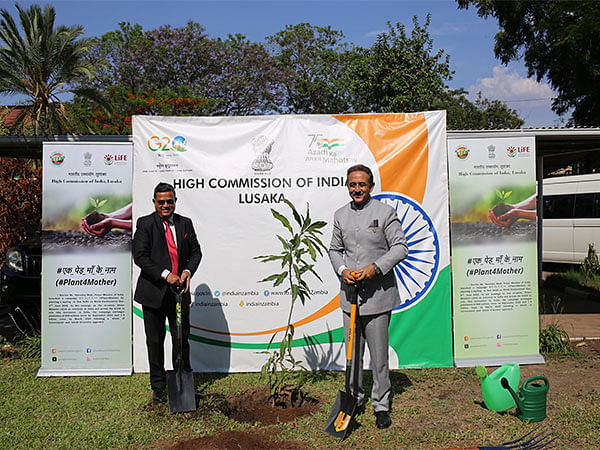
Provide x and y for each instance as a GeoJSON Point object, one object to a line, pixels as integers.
{"type": "Point", "coordinates": [168, 202]}
{"type": "Point", "coordinates": [362, 184]}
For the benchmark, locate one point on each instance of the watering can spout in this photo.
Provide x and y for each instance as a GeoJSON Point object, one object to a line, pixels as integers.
{"type": "Point", "coordinates": [505, 385]}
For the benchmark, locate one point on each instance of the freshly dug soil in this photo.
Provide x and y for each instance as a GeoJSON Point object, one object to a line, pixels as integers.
{"type": "Point", "coordinates": [57, 240]}
{"type": "Point", "coordinates": [237, 439]}
{"type": "Point", "coordinates": [470, 233]}
{"type": "Point", "coordinates": [255, 406]}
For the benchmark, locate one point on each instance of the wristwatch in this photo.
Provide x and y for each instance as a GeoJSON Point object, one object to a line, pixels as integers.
{"type": "Point", "coordinates": [377, 269]}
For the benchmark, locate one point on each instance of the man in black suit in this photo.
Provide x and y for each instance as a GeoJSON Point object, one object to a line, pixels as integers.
{"type": "Point", "coordinates": [165, 247]}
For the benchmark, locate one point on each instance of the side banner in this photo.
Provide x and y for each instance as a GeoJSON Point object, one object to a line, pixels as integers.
{"type": "Point", "coordinates": [229, 173]}
{"type": "Point", "coordinates": [86, 277]}
{"type": "Point", "coordinates": [494, 250]}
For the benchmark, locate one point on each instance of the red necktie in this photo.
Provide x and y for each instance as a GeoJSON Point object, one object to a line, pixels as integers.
{"type": "Point", "coordinates": [172, 248]}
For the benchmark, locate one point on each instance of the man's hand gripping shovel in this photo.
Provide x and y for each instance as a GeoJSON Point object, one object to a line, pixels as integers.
{"type": "Point", "coordinates": [344, 408]}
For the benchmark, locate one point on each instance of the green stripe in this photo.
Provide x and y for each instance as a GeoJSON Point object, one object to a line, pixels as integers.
{"type": "Point", "coordinates": [327, 337]}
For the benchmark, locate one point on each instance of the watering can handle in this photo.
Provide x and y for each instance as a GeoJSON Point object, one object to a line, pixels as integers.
{"type": "Point", "coordinates": [532, 379]}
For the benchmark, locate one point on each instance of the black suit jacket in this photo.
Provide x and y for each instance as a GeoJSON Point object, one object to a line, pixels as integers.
{"type": "Point", "coordinates": [151, 254]}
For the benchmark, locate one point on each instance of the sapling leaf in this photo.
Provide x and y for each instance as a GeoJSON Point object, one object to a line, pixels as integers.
{"type": "Point", "coordinates": [282, 219]}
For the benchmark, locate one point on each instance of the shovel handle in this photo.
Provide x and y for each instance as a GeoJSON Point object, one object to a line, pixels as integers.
{"type": "Point", "coordinates": [351, 332]}
{"type": "Point", "coordinates": [353, 302]}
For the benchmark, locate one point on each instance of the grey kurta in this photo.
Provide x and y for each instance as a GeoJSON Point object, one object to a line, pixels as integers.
{"type": "Point", "coordinates": [366, 235]}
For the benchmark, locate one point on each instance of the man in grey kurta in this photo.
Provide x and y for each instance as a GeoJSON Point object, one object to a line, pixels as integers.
{"type": "Point", "coordinates": [367, 239]}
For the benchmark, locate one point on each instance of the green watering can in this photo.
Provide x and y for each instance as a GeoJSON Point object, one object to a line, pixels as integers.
{"type": "Point", "coordinates": [531, 401]}
{"type": "Point", "coordinates": [494, 397]}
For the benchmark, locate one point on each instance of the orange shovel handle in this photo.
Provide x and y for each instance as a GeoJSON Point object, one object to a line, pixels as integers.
{"type": "Point", "coordinates": [351, 331]}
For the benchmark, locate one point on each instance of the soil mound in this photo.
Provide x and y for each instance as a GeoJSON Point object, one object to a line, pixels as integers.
{"type": "Point", "coordinates": [255, 406]}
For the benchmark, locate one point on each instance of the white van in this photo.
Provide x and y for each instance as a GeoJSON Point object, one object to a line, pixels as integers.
{"type": "Point", "coordinates": [571, 217]}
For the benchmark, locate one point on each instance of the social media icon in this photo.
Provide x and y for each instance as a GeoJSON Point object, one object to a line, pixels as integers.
{"type": "Point", "coordinates": [54, 359]}
{"type": "Point", "coordinates": [466, 345]}
{"type": "Point", "coordinates": [466, 338]}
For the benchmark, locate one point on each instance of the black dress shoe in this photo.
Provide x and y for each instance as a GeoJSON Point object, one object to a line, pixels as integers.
{"type": "Point", "coordinates": [159, 396]}
{"type": "Point", "coordinates": [382, 419]}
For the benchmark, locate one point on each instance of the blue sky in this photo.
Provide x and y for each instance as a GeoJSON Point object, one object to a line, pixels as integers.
{"type": "Point", "coordinates": [467, 38]}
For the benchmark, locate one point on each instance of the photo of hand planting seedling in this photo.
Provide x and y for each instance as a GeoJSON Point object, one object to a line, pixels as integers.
{"type": "Point", "coordinates": [504, 215]}
{"type": "Point", "coordinates": [98, 224]}
{"type": "Point", "coordinates": [103, 219]}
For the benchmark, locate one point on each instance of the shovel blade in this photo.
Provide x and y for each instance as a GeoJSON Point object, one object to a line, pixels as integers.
{"type": "Point", "coordinates": [180, 386]}
{"type": "Point", "coordinates": [338, 423]}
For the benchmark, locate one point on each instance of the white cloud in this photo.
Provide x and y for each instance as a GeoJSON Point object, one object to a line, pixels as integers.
{"type": "Point", "coordinates": [532, 100]}
{"type": "Point", "coordinates": [513, 89]}
{"type": "Point", "coordinates": [374, 33]}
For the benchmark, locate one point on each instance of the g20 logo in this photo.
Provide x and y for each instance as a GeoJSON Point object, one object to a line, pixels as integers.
{"type": "Point", "coordinates": [165, 144]}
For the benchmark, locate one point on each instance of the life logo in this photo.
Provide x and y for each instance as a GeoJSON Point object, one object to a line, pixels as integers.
{"type": "Point", "coordinates": [166, 144]}
{"type": "Point", "coordinates": [116, 158]}
{"type": "Point", "coordinates": [521, 150]}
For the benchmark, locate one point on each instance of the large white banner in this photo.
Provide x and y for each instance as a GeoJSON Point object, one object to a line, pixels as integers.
{"type": "Point", "coordinates": [229, 172]}
{"type": "Point", "coordinates": [86, 278]}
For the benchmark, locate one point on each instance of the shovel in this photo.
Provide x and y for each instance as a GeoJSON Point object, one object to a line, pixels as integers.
{"type": "Point", "coordinates": [180, 382]}
{"type": "Point", "coordinates": [343, 410]}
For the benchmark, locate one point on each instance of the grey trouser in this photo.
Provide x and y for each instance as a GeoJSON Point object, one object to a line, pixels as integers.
{"type": "Point", "coordinates": [375, 329]}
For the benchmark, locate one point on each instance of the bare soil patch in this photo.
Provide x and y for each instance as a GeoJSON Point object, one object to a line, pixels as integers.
{"type": "Point", "coordinates": [237, 439]}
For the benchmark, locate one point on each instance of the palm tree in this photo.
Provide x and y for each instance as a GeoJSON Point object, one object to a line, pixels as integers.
{"type": "Point", "coordinates": [41, 63]}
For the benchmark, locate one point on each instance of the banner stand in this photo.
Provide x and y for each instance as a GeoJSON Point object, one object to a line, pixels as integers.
{"type": "Point", "coordinates": [498, 361]}
{"type": "Point", "coordinates": [86, 259]}
{"type": "Point", "coordinates": [43, 372]}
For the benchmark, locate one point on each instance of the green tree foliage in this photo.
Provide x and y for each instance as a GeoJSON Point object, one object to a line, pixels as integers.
{"type": "Point", "coordinates": [313, 62]}
{"type": "Point", "coordinates": [233, 75]}
{"type": "Point", "coordinates": [558, 40]}
{"type": "Point", "coordinates": [164, 57]}
{"type": "Point", "coordinates": [302, 69]}
{"type": "Point", "coordinates": [246, 79]}
{"type": "Point", "coordinates": [482, 114]}
{"type": "Point", "coordinates": [41, 62]}
{"type": "Point", "coordinates": [400, 72]}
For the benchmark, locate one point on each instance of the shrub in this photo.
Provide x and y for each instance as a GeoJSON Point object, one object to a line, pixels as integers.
{"type": "Point", "coordinates": [590, 266]}
{"type": "Point", "coordinates": [554, 339]}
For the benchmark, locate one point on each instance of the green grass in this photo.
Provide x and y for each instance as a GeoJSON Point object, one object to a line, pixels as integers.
{"type": "Point", "coordinates": [574, 278]}
{"type": "Point", "coordinates": [433, 408]}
